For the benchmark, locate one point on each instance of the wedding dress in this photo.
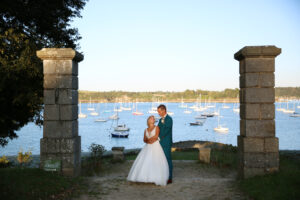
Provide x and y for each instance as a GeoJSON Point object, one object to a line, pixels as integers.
{"type": "Point", "coordinates": [151, 165]}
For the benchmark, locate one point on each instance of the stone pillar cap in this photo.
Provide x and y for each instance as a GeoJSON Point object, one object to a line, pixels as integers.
{"type": "Point", "coordinates": [59, 54]}
{"type": "Point", "coordinates": [257, 51]}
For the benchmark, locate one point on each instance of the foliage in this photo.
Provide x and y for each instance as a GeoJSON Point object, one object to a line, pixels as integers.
{"type": "Point", "coordinates": [287, 92]}
{"type": "Point", "coordinates": [24, 158]}
{"type": "Point", "coordinates": [159, 95]}
{"type": "Point", "coordinates": [96, 150]}
{"type": "Point", "coordinates": [282, 185]}
{"type": "Point", "coordinates": [4, 162]}
{"type": "Point", "coordinates": [25, 27]}
{"type": "Point", "coordinates": [187, 95]}
{"type": "Point", "coordinates": [92, 164]}
{"type": "Point", "coordinates": [32, 183]}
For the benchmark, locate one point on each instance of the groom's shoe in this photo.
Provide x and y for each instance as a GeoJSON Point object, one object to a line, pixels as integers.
{"type": "Point", "coordinates": [169, 181]}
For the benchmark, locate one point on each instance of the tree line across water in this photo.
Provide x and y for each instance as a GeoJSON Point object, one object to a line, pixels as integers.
{"type": "Point", "coordinates": [187, 95]}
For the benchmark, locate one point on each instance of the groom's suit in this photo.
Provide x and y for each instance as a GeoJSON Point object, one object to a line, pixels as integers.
{"type": "Point", "coordinates": [165, 135]}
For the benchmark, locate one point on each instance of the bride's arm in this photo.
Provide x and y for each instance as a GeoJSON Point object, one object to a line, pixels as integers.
{"type": "Point", "coordinates": [155, 137]}
{"type": "Point", "coordinates": [145, 138]}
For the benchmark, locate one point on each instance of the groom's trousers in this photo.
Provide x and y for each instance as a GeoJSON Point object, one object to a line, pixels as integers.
{"type": "Point", "coordinates": [167, 151]}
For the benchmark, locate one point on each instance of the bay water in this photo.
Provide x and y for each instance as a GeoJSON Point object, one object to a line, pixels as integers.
{"type": "Point", "coordinates": [287, 128]}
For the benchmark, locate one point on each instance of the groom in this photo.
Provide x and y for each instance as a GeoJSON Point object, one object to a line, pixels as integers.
{"type": "Point", "coordinates": [165, 125]}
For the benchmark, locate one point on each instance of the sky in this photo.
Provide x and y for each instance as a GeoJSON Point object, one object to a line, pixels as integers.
{"type": "Point", "coordinates": [174, 45]}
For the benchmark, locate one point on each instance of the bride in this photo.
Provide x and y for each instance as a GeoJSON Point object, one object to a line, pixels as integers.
{"type": "Point", "coordinates": [151, 165]}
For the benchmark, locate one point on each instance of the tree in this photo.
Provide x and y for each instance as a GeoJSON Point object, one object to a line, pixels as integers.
{"type": "Point", "coordinates": [25, 27]}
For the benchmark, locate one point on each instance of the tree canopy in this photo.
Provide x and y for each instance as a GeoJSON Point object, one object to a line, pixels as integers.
{"type": "Point", "coordinates": [25, 27]}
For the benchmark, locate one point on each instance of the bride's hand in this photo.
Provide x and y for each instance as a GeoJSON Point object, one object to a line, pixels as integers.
{"type": "Point", "coordinates": [152, 140]}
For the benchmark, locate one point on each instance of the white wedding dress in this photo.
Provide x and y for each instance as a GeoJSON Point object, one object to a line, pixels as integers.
{"type": "Point", "coordinates": [151, 165]}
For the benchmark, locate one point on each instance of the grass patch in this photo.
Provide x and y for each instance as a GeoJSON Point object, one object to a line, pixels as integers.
{"type": "Point", "coordinates": [29, 184]}
{"type": "Point", "coordinates": [225, 158]}
{"type": "Point", "coordinates": [90, 167]}
{"type": "Point", "coordinates": [282, 185]}
{"type": "Point", "coordinates": [185, 155]}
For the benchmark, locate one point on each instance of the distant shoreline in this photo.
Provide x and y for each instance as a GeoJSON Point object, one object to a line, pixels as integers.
{"type": "Point", "coordinates": [176, 101]}
{"type": "Point", "coordinates": [165, 101]}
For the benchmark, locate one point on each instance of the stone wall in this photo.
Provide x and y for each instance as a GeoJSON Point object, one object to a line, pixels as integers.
{"type": "Point", "coordinates": [60, 134]}
{"type": "Point", "coordinates": [258, 146]}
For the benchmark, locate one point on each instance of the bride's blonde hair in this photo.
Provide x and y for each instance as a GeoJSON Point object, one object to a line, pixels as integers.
{"type": "Point", "coordinates": [148, 119]}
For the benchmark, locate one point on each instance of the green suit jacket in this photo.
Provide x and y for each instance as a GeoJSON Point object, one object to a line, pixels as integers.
{"type": "Point", "coordinates": [165, 134]}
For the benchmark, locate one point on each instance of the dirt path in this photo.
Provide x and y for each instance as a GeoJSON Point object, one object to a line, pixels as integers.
{"type": "Point", "coordinates": [191, 181]}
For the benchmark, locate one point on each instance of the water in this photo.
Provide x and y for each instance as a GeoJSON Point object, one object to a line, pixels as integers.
{"type": "Point", "coordinates": [287, 129]}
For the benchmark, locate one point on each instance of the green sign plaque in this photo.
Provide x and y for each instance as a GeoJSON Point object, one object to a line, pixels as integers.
{"type": "Point", "coordinates": [52, 165]}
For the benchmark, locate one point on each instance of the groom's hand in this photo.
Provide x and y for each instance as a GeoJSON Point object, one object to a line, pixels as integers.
{"type": "Point", "coordinates": [151, 140]}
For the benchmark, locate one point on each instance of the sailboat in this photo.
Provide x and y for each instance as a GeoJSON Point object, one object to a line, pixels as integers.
{"type": "Point", "coordinates": [114, 116]}
{"type": "Point", "coordinates": [210, 105]}
{"type": "Point", "coordinates": [116, 109]}
{"type": "Point", "coordinates": [197, 123]}
{"type": "Point", "coordinates": [215, 113]}
{"type": "Point", "coordinates": [224, 106]}
{"type": "Point", "coordinates": [153, 109]}
{"type": "Point", "coordinates": [295, 115]}
{"type": "Point", "coordinates": [236, 109]}
{"type": "Point", "coordinates": [219, 128]}
{"type": "Point", "coordinates": [120, 134]}
{"type": "Point", "coordinates": [120, 130]}
{"type": "Point", "coordinates": [136, 111]}
{"type": "Point", "coordinates": [280, 108]}
{"type": "Point", "coordinates": [94, 113]}
{"type": "Point", "coordinates": [287, 110]}
{"type": "Point", "coordinates": [199, 107]}
{"type": "Point", "coordinates": [199, 120]}
{"type": "Point", "coordinates": [182, 105]}
{"type": "Point", "coordinates": [100, 119]}
{"type": "Point", "coordinates": [170, 113]}
{"type": "Point", "coordinates": [81, 115]}
{"type": "Point", "coordinates": [125, 108]}
{"type": "Point", "coordinates": [187, 111]}
{"type": "Point", "coordinates": [90, 108]}
{"type": "Point", "coordinates": [121, 127]}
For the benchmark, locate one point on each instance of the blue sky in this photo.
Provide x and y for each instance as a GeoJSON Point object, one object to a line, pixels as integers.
{"type": "Point", "coordinates": [174, 45]}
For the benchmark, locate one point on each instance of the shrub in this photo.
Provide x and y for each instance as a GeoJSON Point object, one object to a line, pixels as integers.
{"type": "Point", "coordinates": [97, 151]}
{"type": "Point", "coordinates": [4, 162]}
{"type": "Point", "coordinates": [24, 158]}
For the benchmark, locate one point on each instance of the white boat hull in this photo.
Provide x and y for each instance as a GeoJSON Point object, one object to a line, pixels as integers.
{"type": "Point", "coordinates": [152, 111]}
{"type": "Point", "coordinates": [100, 120]}
{"type": "Point", "coordinates": [81, 115]}
{"type": "Point", "coordinates": [288, 111]}
{"type": "Point", "coordinates": [295, 115]}
{"type": "Point", "coordinates": [221, 130]}
{"type": "Point", "coordinates": [237, 110]}
{"type": "Point", "coordinates": [94, 114]}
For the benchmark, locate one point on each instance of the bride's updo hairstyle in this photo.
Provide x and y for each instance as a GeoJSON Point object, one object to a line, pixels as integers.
{"type": "Point", "coordinates": [148, 119]}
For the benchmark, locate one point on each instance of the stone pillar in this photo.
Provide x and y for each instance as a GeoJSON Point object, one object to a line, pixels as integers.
{"type": "Point", "coordinates": [60, 140]}
{"type": "Point", "coordinates": [204, 155]}
{"type": "Point", "coordinates": [257, 144]}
